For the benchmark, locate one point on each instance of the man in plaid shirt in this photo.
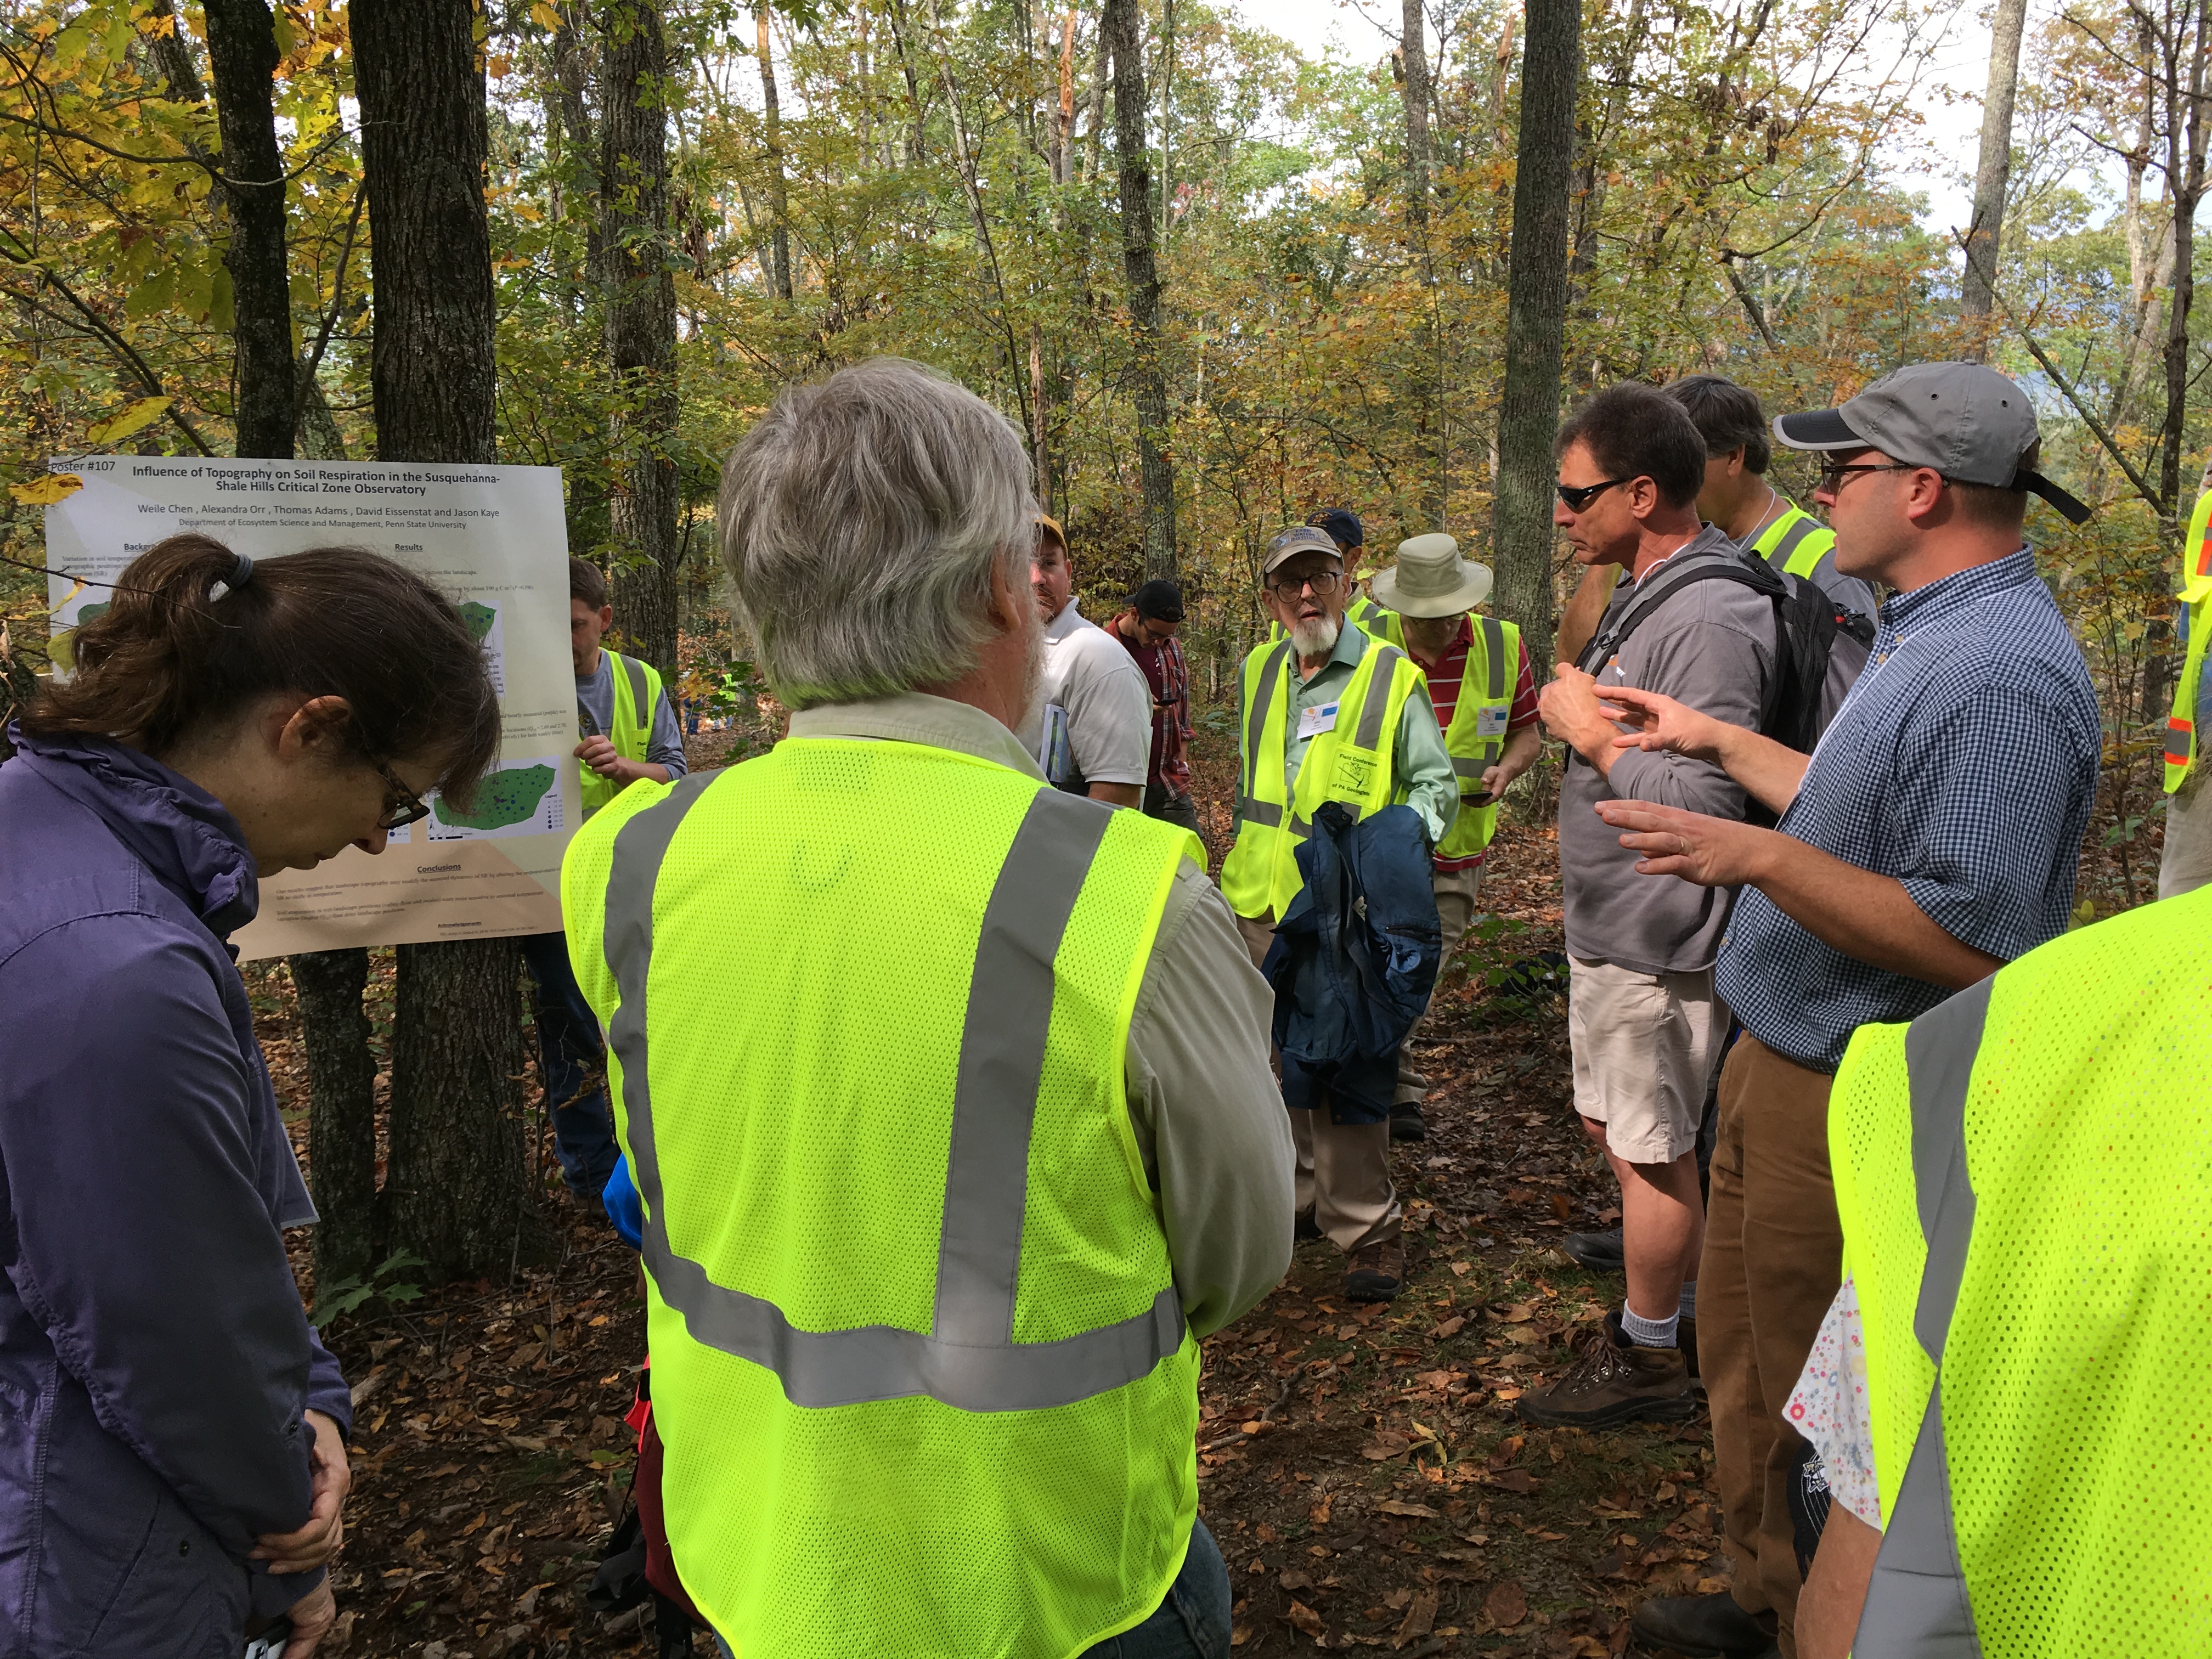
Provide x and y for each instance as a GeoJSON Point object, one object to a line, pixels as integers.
{"type": "Point", "coordinates": [1146, 628]}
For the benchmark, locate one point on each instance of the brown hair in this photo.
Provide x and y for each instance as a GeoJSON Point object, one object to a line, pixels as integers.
{"type": "Point", "coordinates": [1727, 416]}
{"type": "Point", "coordinates": [1637, 431]}
{"type": "Point", "coordinates": [167, 659]}
{"type": "Point", "coordinates": [585, 583]}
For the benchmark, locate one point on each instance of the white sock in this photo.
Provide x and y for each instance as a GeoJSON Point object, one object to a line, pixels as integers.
{"type": "Point", "coordinates": [1687, 1308]}
{"type": "Point", "coordinates": [1648, 1333]}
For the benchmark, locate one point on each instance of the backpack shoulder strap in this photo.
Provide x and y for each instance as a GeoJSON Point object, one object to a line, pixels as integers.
{"type": "Point", "coordinates": [1749, 571]}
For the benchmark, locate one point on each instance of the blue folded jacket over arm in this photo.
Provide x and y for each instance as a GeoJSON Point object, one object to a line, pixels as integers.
{"type": "Point", "coordinates": [1354, 961]}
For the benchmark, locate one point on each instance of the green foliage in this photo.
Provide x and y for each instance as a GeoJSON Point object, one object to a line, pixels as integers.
{"type": "Point", "coordinates": [382, 1288]}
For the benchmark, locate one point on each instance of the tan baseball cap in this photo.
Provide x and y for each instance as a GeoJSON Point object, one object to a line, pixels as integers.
{"type": "Point", "coordinates": [1299, 539]}
{"type": "Point", "coordinates": [1968, 423]}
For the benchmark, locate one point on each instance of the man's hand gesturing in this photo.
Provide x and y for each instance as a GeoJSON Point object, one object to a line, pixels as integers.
{"type": "Point", "coordinates": [1711, 851]}
{"type": "Point", "coordinates": [1662, 723]}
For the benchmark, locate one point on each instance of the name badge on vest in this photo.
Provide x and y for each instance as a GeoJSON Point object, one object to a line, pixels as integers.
{"type": "Point", "coordinates": [1490, 720]}
{"type": "Point", "coordinates": [1315, 721]}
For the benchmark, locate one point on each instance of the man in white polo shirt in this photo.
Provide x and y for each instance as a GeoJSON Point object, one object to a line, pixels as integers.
{"type": "Point", "coordinates": [1091, 729]}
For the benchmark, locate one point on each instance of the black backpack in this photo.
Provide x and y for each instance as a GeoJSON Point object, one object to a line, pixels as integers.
{"type": "Point", "coordinates": [1811, 629]}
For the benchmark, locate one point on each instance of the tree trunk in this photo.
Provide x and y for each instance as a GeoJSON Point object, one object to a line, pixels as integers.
{"type": "Point", "coordinates": [779, 205]}
{"type": "Point", "coordinates": [640, 300]}
{"type": "Point", "coordinates": [340, 1110]}
{"type": "Point", "coordinates": [454, 1189]}
{"type": "Point", "coordinates": [1414, 53]}
{"type": "Point", "coordinates": [2186, 134]}
{"type": "Point", "coordinates": [1535, 320]}
{"type": "Point", "coordinates": [242, 63]}
{"type": "Point", "coordinates": [1982, 231]}
{"type": "Point", "coordinates": [1121, 24]}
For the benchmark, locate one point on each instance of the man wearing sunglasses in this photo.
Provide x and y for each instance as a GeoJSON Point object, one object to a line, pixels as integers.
{"type": "Point", "coordinates": [1932, 838]}
{"type": "Point", "coordinates": [1329, 712]}
{"type": "Point", "coordinates": [1643, 1021]}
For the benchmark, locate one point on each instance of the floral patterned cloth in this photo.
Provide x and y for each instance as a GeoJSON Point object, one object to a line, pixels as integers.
{"type": "Point", "coordinates": [1829, 1407]}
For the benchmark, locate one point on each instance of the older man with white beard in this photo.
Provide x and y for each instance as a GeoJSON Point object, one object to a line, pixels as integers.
{"type": "Point", "coordinates": [1329, 714]}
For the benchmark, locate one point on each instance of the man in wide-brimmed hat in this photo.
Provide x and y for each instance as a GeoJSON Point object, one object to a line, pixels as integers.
{"type": "Point", "coordinates": [1485, 696]}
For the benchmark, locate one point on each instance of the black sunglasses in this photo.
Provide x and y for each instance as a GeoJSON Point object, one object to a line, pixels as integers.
{"type": "Point", "coordinates": [1578, 496]}
{"type": "Point", "coordinates": [405, 806]}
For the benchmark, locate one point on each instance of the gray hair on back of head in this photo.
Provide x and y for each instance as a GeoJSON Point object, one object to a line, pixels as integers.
{"type": "Point", "coordinates": [859, 523]}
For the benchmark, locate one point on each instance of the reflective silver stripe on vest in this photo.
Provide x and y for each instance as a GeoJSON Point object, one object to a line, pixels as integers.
{"type": "Point", "coordinates": [1463, 767]}
{"type": "Point", "coordinates": [968, 1360]}
{"type": "Point", "coordinates": [1267, 812]}
{"type": "Point", "coordinates": [638, 693]}
{"type": "Point", "coordinates": [1378, 696]}
{"type": "Point", "coordinates": [1256, 724]}
{"type": "Point", "coordinates": [1917, 1603]}
{"type": "Point", "coordinates": [1805, 525]}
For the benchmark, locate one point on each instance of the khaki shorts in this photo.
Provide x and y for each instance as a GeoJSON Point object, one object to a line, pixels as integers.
{"type": "Point", "coordinates": [1645, 1046]}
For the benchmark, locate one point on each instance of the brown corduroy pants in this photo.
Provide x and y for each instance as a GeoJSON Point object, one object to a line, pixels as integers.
{"type": "Point", "coordinates": [1772, 1262]}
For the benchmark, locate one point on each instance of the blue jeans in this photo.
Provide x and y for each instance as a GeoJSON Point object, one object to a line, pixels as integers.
{"type": "Point", "coordinates": [1192, 1622]}
{"type": "Point", "coordinates": [572, 1065]}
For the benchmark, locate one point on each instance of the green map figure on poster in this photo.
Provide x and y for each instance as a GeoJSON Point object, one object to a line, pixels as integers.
{"type": "Point", "coordinates": [502, 798]}
{"type": "Point", "coordinates": [479, 617]}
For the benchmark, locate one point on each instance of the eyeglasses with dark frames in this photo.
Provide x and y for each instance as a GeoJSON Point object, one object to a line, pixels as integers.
{"type": "Point", "coordinates": [1323, 583]}
{"type": "Point", "coordinates": [1578, 496]}
{"type": "Point", "coordinates": [1833, 478]}
{"type": "Point", "coordinates": [404, 807]}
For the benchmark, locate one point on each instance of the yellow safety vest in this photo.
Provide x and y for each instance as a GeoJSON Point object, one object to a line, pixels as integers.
{"type": "Point", "coordinates": [2024, 1176]}
{"type": "Point", "coordinates": [918, 1357]}
{"type": "Point", "coordinates": [1353, 761]}
{"type": "Point", "coordinates": [637, 699]}
{"type": "Point", "coordinates": [1795, 541]}
{"type": "Point", "coordinates": [1476, 737]}
{"type": "Point", "coordinates": [2196, 630]}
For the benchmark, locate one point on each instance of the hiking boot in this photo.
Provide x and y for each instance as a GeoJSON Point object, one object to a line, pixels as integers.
{"type": "Point", "coordinates": [1303, 1227]}
{"type": "Point", "coordinates": [1406, 1122]}
{"type": "Point", "coordinates": [1601, 1253]}
{"type": "Point", "coordinates": [1613, 1381]}
{"type": "Point", "coordinates": [1703, 1626]}
{"type": "Point", "coordinates": [1686, 1341]}
{"type": "Point", "coordinates": [1377, 1272]}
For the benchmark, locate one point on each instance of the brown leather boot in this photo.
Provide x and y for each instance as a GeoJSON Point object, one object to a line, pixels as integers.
{"type": "Point", "coordinates": [1614, 1382]}
{"type": "Point", "coordinates": [1378, 1273]}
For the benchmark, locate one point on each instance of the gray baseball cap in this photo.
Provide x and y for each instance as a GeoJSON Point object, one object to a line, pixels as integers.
{"type": "Point", "coordinates": [1968, 423]}
{"type": "Point", "coordinates": [1299, 539]}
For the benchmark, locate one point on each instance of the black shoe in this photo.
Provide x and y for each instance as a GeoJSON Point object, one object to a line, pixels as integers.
{"type": "Point", "coordinates": [1704, 1626]}
{"type": "Point", "coordinates": [1406, 1122]}
{"type": "Point", "coordinates": [1305, 1227]}
{"type": "Point", "coordinates": [1599, 1252]}
{"type": "Point", "coordinates": [1377, 1272]}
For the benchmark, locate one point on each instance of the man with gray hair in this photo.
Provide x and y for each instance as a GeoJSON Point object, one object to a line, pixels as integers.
{"type": "Point", "coordinates": [936, 1211]}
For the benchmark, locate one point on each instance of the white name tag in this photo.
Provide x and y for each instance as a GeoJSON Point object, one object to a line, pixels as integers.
{"type": "Point", "coordinates": [1315, 721]}
{"type": "Point", "coordinates": [1490, 721]}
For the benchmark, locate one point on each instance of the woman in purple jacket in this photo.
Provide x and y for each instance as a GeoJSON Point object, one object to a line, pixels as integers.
{"type": "Point", "coordinates": [173, 1462]}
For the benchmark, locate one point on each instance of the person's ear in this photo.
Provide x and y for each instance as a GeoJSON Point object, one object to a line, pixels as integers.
{"type": "Point", "coordinates": [320, 726]}
{"type": "Point", "coordinates": [606, 617]}
{"type": "Point", "coordinates": [1007, 607]}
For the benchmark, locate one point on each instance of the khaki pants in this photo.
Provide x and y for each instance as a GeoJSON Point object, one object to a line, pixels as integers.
{"type": "Point", "coordinates": [2186, 864]}
{"type": "Point", "coordinates": [1344, 1169]}
{"type": "Point", "coordinates": [1773, 1261]}
{"type": "Point", "coordinates": [1456, 891]}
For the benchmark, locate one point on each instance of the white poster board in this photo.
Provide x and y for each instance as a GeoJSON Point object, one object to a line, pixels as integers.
{"type": "Point", "coordinates": [491, 538]}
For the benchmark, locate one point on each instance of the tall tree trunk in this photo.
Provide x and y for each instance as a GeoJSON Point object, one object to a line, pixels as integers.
{"type": "Point", "coordinates": [1990, 178]}
{"type": "Point", "coordinates": [1426, 381]}
{"type": "Point", "coordinates": [1414, 54]}
{"type": "Point", "coordinates": [340, 1072]}
{"type": "Point", "coordinates": [779, 206]}
{"type": "Point", "coordinates": [2186, 134]}
{"type": "Point", "coordinates": [454, 1190]}
{"type": "Point", "coordinates": [242, 62]}
{"type": "Point", "coordinates": [1535, 319]}
{"type": "Point", "coordinates": [1122, 26]}
{"type": "Point", "coordinates": [641, 301]}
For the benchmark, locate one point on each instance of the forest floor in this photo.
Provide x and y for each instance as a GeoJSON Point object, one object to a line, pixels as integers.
{"type": "Point", "coordinates": [1361, 1468]}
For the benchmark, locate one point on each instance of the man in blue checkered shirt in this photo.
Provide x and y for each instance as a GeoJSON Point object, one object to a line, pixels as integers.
{"type": "Point", "coordinates": [1931, 837]}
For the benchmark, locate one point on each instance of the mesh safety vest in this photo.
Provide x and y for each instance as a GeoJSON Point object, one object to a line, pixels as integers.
{"type": "Point", "coordinates": [918, 1358]}
{"type": "Point", "coordinates": [637, 699]}
{"type": "Point", "coordinates": [1353, 761]}
{"type": "Point", "coordinates": [2197, 628]}
{"type": "Point", "coordinates": [1477, 735]}
{"type": "Point", "coordinates": [2024, 1176]}
{"type": "Point", "coordinates": [1795, 542]}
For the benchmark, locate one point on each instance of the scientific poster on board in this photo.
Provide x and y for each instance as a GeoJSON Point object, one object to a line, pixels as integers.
{"type": "Point", "coordinates": [493, 540]}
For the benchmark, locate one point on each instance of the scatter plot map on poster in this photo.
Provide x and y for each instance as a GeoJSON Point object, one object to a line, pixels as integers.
{"type": "Point", "coordinates": [522, 797]}
{"type": "Point", "coordinates": [483, 622]}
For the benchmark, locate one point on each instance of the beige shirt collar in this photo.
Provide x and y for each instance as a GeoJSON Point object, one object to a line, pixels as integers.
{"type": "Point", "coordinates": [914, 717]}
